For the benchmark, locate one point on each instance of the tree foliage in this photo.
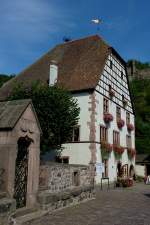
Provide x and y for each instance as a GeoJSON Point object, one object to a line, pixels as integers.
{"type": "Point", "coordinates": [56, 109]}
{"type": "Point", "coordinates": [4, 78]}
{"type": "Point", "coordinates": [141, 97]}
{"type": "Point", "coordinates": [139, 65]}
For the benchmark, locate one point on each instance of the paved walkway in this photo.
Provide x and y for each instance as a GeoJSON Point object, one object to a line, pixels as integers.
{"type": "Point", "coordinates": [130, 206]}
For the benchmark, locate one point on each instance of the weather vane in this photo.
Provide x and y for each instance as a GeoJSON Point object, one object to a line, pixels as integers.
{"type": "Point", "coordinates": [97, 21]}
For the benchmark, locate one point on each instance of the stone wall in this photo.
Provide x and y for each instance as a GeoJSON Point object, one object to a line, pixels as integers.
{"type": "Point", "coordinates": [62, 185]}
{"type": "Point", "coordinates": [57, 177]}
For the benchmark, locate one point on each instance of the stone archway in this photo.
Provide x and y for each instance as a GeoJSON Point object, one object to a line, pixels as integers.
{"type": "Point", "coordinates": [132, 171]}
{"type": "Point", "coordinates": [21, 171]}
{"type": "Point", "coordinates": [119, 169]}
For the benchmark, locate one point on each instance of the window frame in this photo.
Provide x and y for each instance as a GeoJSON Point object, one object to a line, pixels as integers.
{"type": "Point", "coordinates": [127, 118]}
{"type": "Point", "coordinates": [118, 113]}
{"type": "Point", "coordinates": [105, 105]}
{"type": "Point", "coordinates": [73, 133]}
{"type": "Point", "coordinates": [128, 141]}
{"type": "Point", "coordinates": [103, 134]}
{"type": "Point", "coordinates": [116, 137]}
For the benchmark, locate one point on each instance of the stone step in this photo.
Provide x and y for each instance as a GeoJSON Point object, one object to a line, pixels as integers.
{"type": "Point", "coordinates": [23, 211]}
{"type": "Point", "coordinates": [24, 219]}
{"type": "Point", "coordinates": [7, 205]}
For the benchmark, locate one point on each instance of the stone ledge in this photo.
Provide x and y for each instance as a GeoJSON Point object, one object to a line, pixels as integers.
{"type": "Point", "coordinates": [7, 205]}
{"type": "Point", "coordinates": [52, 201]}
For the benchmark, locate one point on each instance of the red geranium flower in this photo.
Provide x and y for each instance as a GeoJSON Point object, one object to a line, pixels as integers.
{"type": "Point", "coordinates": [120, 123]}
{"type": "Point", "coordinates": [131, 152]}
{"type": "Point", "coordinates": [130, 127]}
{"type": "Point", "coordinates": [108, 117]}
{"type": "Point", "coordinates": [108, 147]}
{"type": "Point", "coordinates": [118, 149]}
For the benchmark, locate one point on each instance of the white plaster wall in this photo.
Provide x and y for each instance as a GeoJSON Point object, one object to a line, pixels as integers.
{"type": "Point", "coordinates": [140, 170]}
{"type": "Point", "coordinates": [79, 153]}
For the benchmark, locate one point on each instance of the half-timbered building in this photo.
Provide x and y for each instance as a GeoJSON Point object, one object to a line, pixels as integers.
{"type": "Point", "coordinates": [96, 76]}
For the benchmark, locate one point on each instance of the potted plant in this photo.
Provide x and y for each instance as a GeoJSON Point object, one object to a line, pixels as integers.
{"type": "Point", "coordinates": [108, 117]}
{"type": "Point", "coordinates": [120, 123]}
{"type": "Point", "coordinates": [131, 152]}
{"type": "Point", "coordinates": [106, 149]}
{"type": "Point", "coordinates": [130, 127]}
{"type": "Point", "coordinates": [118, 150]}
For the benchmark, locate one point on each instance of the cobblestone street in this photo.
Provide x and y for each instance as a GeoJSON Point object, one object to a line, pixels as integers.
{"type": "Point", "coordinates": [130, 206]}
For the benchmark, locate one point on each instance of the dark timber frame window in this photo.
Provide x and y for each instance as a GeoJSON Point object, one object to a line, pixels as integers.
{"type": "Point", "coordinates": [116, 138]}
{"type": "Point", "coordinates": [105, 105]}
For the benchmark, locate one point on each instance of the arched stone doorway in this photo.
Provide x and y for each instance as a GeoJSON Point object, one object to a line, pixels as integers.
{"type": "Point", "coordinates": [132, 171]}
{"type": "Point", "coordinates": [119, 169]}
{"type": "Point", "coordinates": [21, 171]}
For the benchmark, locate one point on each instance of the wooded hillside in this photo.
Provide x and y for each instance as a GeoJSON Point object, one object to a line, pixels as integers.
{"type": "Point", "coordinates": [141, 97]}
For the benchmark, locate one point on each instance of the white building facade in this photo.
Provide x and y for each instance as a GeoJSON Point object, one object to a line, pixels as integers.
{"type": "Point", "coordinates": [96, 136]}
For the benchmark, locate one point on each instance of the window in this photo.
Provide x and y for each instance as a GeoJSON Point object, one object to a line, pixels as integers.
{"type": "Point", "coordinates": [103, 133]}
{"type": "Point", "coordinates": [76, 134]}
{"type": "Point", "coordinates": [128, 140]}
{"type": "Point", "coordinates": [121, 74]}
{"type": "Point", "coordinates": [110, 87]}
{"type": "Point", "coordinates": [118, 113]}
{"type": "Point", "coordinates": [110, 64]}
{"type": "Point", "coordinates": [127, 117]}
{"type": "Point", "coordinates": [105, 105]}
{"type": "Point", "coordinates": [76, 178]}
{"type": "Point", "coordinates": [116, 138]}
{"type": "Point", "coordinates": [62, 159]}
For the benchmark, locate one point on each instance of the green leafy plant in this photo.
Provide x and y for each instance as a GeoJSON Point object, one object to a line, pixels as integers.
{"type": "Point", "coordinates": [57, 111]}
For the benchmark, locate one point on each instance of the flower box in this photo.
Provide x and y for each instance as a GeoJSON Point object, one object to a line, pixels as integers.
{"type": "Point", "coordinates": [106, 146]}
{"type": "Point", "coordinates": [106, 149]}
{"type": "Point", "coordinates": [130, 127]}
{"type": "Point", "coordinates": [120, 123]}
{"type": "Point", "coordinates": [118, 149]}
{"type": "Point", "coordinates": [124, 182]}
{"type": "Point", "coordinates": [108, 117]}
{"type": "Point", "coordinates": [131, 152]}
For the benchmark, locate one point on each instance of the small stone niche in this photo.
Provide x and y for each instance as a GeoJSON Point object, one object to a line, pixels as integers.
{"type": "Point", "coordinates": [76, 178]}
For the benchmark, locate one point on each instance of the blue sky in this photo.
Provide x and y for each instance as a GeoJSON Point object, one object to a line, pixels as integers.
{"type": "Point", "coordinates": [29, 28]}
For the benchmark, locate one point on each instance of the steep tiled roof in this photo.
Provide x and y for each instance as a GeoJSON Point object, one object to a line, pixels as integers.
{"type": "Point", "coordinates": [80, 64]}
